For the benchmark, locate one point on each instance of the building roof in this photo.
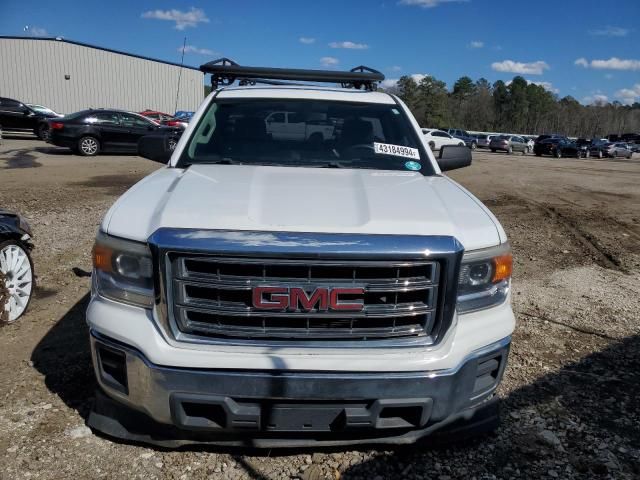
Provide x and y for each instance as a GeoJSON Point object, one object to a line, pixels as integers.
{"type": "Point", "coordinates": [119, 52]}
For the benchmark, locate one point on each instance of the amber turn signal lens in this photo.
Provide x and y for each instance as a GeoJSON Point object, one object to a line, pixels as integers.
{"type": "Point", "coordinates": [102, 258]}
{"type": "Point", "coordinates": [504, 267]}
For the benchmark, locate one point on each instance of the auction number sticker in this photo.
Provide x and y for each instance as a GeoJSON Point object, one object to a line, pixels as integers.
{"type": "Point", "coordinates": [397, 150]}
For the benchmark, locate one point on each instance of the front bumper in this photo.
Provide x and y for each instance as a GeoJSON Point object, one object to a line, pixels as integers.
{"type": "Point", "coordinates": [281, 408]}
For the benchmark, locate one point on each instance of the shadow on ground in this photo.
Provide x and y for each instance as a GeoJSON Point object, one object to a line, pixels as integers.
{"type": "Point", "coordinates": [20, 158]}
{"type": "Point", "coordinates": [591, 407]}
{"type": "Point", "coordinates": [64, 358]}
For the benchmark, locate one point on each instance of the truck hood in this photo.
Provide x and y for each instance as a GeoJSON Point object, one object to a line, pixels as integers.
{"type": "Point", "coordinates": [295, 199]}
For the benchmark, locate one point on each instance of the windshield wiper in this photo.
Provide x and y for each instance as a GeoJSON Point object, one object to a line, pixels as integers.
{"type": "Point", "coordinates": [222, 161]}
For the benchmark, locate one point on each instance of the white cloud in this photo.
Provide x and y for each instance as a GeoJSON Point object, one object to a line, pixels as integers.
{"type": "Point", "coordinates": [329, 61]}
{"type": "Point", "coordinates": [582, 62]}
{"type": "Point", "coordinates": [36, 31]}
{"type": "Point", "coordinates": [629, 95]}
{"type": "Point", "coordinates": [307, 40]}
{"type": "Point", "coordinates": [476, 44]}
{"type": "Point", "coordinates": [392, 82]}
{"type": "Point", "coordinates": [182, 19]}
{"type": "Point", "coordinates": [595, 99]}
{"type": "Point", "coordinates": [533, 68]}
{"type": "Point", "coordinates": [614, 63]}
{"type": "Point", "coordinates": [611, 31]}
{"type": "Point", "coordinates": [429, 3]}
{"type": "Point", "coordinates": [349, 45]}
{"type": "Point", "coordinates": [396, 68]}
{"type": "Point", "coordinates": [194, 49]}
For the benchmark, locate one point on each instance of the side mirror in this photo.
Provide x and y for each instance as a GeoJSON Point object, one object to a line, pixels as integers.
{"type": "Point", "coordinates": [156, 147]}
{"type": "Point", "coordinates": [454, 156]}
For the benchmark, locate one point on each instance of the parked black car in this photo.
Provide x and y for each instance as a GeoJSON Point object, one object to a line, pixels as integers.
{"type": "Point", "coordinates": [90, 132]}
{"type": "Point", "coordinates": [468, 139]}
{"type": "Point", "coordinates": [558, 147]}
{"type": "Point", "coordinates": [17, 280]}
{"type": "Point", "coordinates": [15, 116]}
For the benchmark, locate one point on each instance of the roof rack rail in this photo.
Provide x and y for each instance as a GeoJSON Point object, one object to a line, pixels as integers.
{"type": "Point", "coordinates": [225, 71]}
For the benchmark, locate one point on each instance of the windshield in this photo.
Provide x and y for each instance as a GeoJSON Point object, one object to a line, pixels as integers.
{"type": "Point", "coordinates": [304, 133]}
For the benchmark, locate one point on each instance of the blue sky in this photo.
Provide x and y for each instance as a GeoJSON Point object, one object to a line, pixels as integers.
{"type": "Point", "coordinates": [585, 48]}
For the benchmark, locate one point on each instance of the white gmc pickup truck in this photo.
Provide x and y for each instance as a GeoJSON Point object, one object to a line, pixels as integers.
{"type": "Point", "coordinates": [270, 292]}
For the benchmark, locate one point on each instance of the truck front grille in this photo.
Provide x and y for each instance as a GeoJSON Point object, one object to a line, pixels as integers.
{"type": "Point", "coordinates": [213, 296]}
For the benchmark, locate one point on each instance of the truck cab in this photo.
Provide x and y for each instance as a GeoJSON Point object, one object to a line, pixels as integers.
{"type": "Point", "coordinates": [273, 291]}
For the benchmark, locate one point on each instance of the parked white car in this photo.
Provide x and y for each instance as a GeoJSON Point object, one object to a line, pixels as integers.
{"type": "Point", "coordinates": [436, 139]}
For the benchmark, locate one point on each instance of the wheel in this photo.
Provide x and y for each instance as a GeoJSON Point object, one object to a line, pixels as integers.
{"type": "Point", "coordinates": [474, 145]}
{"type": "Point", "coordinates": [558, 153]}
{"type": "Point", "coordinates": [432, 145]}
{"type": "Point", "coordinates": [461, 144]}
{"type": "Point", "coordinates": [493, 150]}
{"type": "Point", "coordinates": [600, 154]}
{"type": "Point", "coordinates": [587, 154]}
{"type": "Point", "coordinates": [16, 276]}
{"type": "Point", "coordinates": [538, 154]}
{"type": "Point", "coordinates": [88, 146]}
{"type": "Point", "coordinates": [173, 142]}
{"type": "Point", "coordinates": [314, 139]}
{"type": "Point", "coordinates": [43, 132]}
{"type": "Point", "coordinates": [509, 150]}
{"type": "Point", "coordinates": [524, 151]}
{"type": "Point", "coordinates": [615, 154]}
{"type": "Point", "coordinates": [578, 155]}
{"type": "Point", "coordinates": [629, 156]}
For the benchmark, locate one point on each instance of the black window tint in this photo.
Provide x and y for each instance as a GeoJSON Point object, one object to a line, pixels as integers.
{"type": "Point", "coordinates": [12, 105]}
{"type": "Point", "coordinates": [128, 120]}
{"type": "Point", "coordinates": [439, 134]}
{"type": "Point", "coordinates": [102, 118]}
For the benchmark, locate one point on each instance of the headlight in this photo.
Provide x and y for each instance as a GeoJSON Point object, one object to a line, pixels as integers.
{"type": "Point", "coordinates": [123, 270]}
{"type": "Point", "coordinates": [485, 278]}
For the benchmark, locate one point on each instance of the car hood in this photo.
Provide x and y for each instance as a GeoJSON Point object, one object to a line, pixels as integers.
{"type": "Point", "coordinates": [295, 199]}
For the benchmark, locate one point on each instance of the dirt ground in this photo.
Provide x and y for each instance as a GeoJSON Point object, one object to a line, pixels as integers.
{"type": "Point", "coordinates": [571, 395]}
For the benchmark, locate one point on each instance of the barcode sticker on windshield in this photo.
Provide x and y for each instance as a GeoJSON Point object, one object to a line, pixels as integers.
{"type": "Point", "coordinates": [397, 150]}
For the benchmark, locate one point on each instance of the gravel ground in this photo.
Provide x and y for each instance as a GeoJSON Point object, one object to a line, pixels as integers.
{"type": "Point", "coordinates": [571, 407]}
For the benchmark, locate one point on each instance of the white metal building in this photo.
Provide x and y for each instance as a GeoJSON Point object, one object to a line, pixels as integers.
{"type": "Point", "coordinates": [70, 76]}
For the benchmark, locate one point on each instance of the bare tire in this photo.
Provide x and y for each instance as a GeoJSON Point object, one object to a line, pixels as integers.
{"type": "Point", "coordinates": [88, 146]}
{"type": "Point", "coordinates": [17, 280]}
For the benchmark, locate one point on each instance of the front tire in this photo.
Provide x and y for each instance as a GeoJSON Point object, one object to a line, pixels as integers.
{"type": "Point", "coordinates": [474, 145]}
{"type": "Point", "coordinates": [16, 281]}
{"type": "Point", "coordinates": [509, 150]}
{"type": "Point", "coordinates": [558, 153]}
{"type": "Point", "coordinates": [88, 146]}
{"type": "Point", "coordinates": [432, 145]}
{"type": "Point", "coordinates": [600, 154]}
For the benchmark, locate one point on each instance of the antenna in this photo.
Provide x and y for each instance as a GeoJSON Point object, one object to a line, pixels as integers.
{"type": "Point", "coordinates": [184, 46]}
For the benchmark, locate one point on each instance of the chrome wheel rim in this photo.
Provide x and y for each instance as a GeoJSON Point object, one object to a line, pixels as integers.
{"type": "Point", "coordinates": [172, 144]}
{"type": "Point", "coordinates": [15, 266]}
{"type": "Point", "coordinates": [89, 146]}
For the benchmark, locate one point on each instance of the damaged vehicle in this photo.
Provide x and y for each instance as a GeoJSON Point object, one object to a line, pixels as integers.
{"type": "Point", "coordinates": [282, 291]}
{"type": "Point", "coordinates": [17, 280]}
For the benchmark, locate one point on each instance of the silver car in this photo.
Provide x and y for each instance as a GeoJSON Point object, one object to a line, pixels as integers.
{"type": "Point", "coordinates": [484, 140]}
{"type": "Point", "coordinates": [509, 144]}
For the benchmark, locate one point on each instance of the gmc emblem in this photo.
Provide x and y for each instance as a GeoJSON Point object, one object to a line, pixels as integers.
{"type": "Point", "coordinates": [294, 299]}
